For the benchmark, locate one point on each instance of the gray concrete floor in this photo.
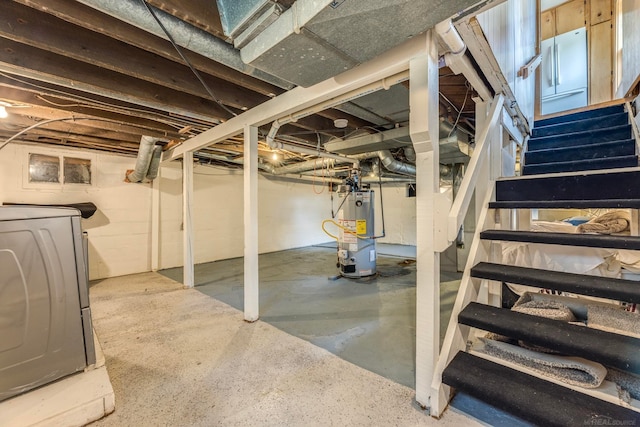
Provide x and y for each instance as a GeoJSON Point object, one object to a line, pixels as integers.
{"type": "Point", "coordinates": [369, 322]}
{"type": "Point", "coordinates": [177, 357]}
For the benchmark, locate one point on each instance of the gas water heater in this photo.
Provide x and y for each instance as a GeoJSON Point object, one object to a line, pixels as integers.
{"type": "Point", "coordinates": [356, 239]}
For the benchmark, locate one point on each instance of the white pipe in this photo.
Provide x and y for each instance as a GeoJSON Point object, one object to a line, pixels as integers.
{"type": "Point", "coordinates": [457, 61]}
{"type": "Point", "coordinates": [450, 36]}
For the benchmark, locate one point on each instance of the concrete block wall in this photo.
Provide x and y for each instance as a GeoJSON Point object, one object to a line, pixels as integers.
{"type": "Point", "coordinates": [290, 213]}
{"type": "Point", "coordinates": [118, 232]}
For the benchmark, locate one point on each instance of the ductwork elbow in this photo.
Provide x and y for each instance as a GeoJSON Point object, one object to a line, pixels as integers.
{"type": "Point", "coordinates": [271, 141]}
{"type": "Point", "coordinates": [393, 165]}
{"type": "Point", "coordinates": [145, 154]}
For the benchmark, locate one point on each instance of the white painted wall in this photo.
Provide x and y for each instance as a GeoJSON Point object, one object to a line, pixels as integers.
{"type": "Point", "coordinates": [399, 214]}
{"type": "Point", "coordinates": [118, 232]}
{"type": "Point", "coordinates": [549, 4]}
{"type": "Point", "coordinates": [290, 213]}
{"type": "Point", "coordinates": [629, 55]}
{"type": "Point", "coordinates": [511, 30]}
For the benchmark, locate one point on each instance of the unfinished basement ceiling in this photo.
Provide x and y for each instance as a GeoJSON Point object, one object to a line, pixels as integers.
{"type": "Point", "coordinates": [105, 71]}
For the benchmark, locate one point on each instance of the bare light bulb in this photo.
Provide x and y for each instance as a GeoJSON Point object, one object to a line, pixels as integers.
{"type": "Point", "coordinates": [274, 156]}
{"type": "Point", "coordinates": [3, 112]}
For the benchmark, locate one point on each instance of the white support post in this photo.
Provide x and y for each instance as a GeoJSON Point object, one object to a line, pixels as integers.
{"type": "Point", "coordinates": [155, 222]}
{"type": "Point", "coordinates": [187, 219]}
{"type": "Point", "coordinates": [423, 105]}
{"type": "Point", "coordinates": [251, 291]}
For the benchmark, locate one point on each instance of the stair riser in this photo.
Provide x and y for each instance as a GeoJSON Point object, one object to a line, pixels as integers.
{"type": "Point", "coordinates": [589, 152]}
{"type": "Point", "coordinates": [582, 125]}
{"type": "Point", "coordinates": [580, 138]}
{"type": "Point", "coordinates": [580, 116]}
{"type": "Point", "coordinates": [584, 165]}
{"type": "Point", "coordinates": [599, 186]}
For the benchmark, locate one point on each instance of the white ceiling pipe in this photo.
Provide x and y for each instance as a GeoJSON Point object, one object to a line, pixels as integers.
{"type": "Point", "coordinates": [185, 35]}
{"type": "Point", "coordinates": [457, 61]}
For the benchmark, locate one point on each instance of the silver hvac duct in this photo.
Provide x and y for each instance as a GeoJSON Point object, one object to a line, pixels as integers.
{"type": "Point", "coordinates": [146, 153]}
{"type": "Point", "coordinates": [393, 165]}
{"type": "Point", "coordinates": [187, 36]}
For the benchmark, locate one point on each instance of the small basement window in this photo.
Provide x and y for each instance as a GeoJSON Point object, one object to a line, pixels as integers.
{"type": "Point", "coordinates": [77, 171]}
{"type": "Point", "coordinates": [43, 168]}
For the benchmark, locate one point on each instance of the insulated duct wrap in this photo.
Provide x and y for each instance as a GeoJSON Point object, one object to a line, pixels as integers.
{"type": "Point", "coordinates": [148, 160]}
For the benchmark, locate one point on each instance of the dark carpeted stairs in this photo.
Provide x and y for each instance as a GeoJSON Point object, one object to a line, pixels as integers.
{"type": "Point", "coordinates": [589, 140]}
{"type": "Point", "coordinates": [531, 398]}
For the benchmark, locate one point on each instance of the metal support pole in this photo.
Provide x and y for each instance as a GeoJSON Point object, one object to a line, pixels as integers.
{"type": "Point", "coordinates": [423, 104]}
{"type": "Point", "coordinates": [187, 219]}
{"type": "Point", "coordinates": [251, 279]}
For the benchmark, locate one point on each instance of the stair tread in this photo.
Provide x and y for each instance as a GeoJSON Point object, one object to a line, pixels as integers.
{"type": "Point", "coordinates": [594, 152]}
{"type": "Point", "coordinates": [588, 186]}
{"type": "Point", "coordinates": [529, 397]}
{"type": "Point", "coordinates": [596, 122]}
{"type": "Point", "coordinates": [595, 286]}
{"type": "Point", "coordinates": [616, 350]}
{"type": "Point", "coordinates": [581, 165]}
{"type": "Point", "coordinates": [566, 204]}
{"type": "Point", "coordinates": [583, 147]}
{"type": "Point", "coordinates": [585, 137]}
{"type": "Point", "coordinates": [565, 239]}
{"type": "Point", "coordinates": [581, 132]}
{"type": "Point", "coordinates": [598, 112]}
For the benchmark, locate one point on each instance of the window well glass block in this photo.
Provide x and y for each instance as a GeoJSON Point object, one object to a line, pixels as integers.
{"type": "Point", "coordinates": [77, 171]}
{"type": "Point", "coordinates": [43, 168]}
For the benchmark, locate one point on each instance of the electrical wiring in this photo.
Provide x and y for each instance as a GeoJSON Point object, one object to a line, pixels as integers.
{"type": "Point", "coordinates": [92, 103]}
{"type": "Point", "coordinates": [44, 122]}
{"type": "Point", "coordinates": [461, 109]}
{"type": "Point", "coordinates": [184, 58]}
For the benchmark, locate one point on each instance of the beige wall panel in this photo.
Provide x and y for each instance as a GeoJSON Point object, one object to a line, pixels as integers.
{"type": "Point", "coordinates": [548, 24]}
{"type": "Point", "coordinates": [600, 63]}
{"type": "Point", "coordinates": [570, 16]}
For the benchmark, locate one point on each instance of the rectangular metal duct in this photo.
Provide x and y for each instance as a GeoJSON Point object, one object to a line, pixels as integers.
{"type": "Point", "coordinates": [317, 39]}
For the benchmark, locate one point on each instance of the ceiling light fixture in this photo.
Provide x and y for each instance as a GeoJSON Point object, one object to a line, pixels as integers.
{"type": "Point", "coordinates": [3, 112]}
{"type": "Point", "coordinates": [340, 123]}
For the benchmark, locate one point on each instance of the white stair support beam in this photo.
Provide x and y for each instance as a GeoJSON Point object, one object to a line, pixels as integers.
{"type": "Point", "coordinates": [424, 131]}
{"type": "Point", "coordinates": [155, 221]}
{"type": "Point", "coordinates": [457, 335]}
{"type": "Point", "coordinates": [635, 223]}
{"type": "Point", "coordinates": [463, 198]}
{"type": "Point", "coordinates": [251, 278]}
{"type": "Point", "coordinates": [379, 69]}
{"type": "Point", "coordinates": [188, 276]}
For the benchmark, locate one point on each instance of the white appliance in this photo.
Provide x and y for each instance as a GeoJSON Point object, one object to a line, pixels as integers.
{"type": "Point", "coordinates": [564, 72]}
